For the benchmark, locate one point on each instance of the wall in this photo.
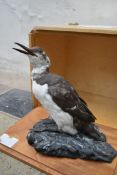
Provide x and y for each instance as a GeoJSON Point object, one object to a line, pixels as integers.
{"type": "Point", "coordinates": [17, 18]}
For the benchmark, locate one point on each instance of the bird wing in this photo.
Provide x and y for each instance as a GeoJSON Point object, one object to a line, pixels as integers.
{"type": "Point", "coordinates": [66, 97]}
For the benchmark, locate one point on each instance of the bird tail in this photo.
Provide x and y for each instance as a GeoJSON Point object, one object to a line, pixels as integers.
{"type": "Point", "coordinates": [83, 116]}
{"type": "Point", "coordinates": [93, 131]}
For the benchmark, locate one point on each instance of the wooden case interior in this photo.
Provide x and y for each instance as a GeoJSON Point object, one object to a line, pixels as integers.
{"type": "Point", "coordinates": [88, 60]}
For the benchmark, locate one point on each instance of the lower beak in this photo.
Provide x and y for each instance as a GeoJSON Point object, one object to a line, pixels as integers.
{"type": "Point", "coordinates": [26, 50]}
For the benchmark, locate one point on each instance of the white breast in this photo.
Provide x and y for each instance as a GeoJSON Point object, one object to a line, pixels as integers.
{"type": "Point", "coordinates": [63, 119]}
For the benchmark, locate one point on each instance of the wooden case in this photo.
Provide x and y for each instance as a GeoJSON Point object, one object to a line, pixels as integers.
{"type": "Point", "coordinates": [87, 57]}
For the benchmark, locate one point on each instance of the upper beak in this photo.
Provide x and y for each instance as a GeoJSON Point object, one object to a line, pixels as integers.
{"type": "Point", "coordinates": [26, 50]}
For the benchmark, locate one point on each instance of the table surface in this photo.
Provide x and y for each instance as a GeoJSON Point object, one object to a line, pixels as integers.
{"type": "Point", "coordinates": [53, 165]}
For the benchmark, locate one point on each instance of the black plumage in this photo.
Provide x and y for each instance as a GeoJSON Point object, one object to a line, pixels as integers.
{"type": "Point", "coordinates": [67, 98]}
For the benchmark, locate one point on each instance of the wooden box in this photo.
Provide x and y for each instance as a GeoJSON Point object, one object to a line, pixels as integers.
{"type": "Point", "coordinates": [87, 57]}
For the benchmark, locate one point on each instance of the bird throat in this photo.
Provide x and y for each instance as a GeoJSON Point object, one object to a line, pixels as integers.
{"type": "Point", "coordinates": [38, 71]}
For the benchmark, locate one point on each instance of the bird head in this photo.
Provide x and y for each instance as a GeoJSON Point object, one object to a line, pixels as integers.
{"type": "Point", "coordinates": [37, 56]}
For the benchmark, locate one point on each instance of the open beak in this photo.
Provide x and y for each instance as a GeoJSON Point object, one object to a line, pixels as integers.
{"type": "Point", "coordinates": [26, 50]}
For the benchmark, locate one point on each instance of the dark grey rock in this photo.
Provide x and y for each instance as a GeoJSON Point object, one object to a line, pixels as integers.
{"type": "Point", "coordinates": [46, 138]}
{"type": "Point", "coordinates": [16, 102]}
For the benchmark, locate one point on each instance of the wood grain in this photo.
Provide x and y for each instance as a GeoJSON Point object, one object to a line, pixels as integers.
{"type": "Point", "coordinates": [53, 165]}
{"type": "Point", "coordinates": [104, 108]}
{"type": "Point", "coordinates": [115, 173]}
{"type": "Point", "coordinates": [77, 28]}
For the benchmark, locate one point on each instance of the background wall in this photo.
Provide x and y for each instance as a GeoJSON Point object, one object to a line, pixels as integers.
{"type": "Point", "coordinates": [17, 18]}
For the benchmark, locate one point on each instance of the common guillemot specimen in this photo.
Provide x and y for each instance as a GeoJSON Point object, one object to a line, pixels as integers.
{"type": "Point", "coordinates": [59, 97]}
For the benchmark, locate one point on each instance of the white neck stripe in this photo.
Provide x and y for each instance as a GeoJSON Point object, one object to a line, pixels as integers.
{"type": "Point", "coordinates": [39, 70]}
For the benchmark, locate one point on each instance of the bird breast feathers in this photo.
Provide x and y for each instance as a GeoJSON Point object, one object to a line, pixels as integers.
{"type": "Point", "coordinates": [39, 90]}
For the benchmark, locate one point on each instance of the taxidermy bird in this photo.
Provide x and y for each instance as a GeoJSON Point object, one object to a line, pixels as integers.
{"type": "Point", "coordinates": [64, 105]}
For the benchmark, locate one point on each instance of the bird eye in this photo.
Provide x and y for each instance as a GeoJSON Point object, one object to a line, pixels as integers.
{"type": "Point", "coordinates": [40, 50]}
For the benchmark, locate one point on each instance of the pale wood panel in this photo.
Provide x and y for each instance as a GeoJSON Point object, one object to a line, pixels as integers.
{"type": "Point", "coordinates": [52, 165]}
{"type": "Point", "coordinates": [104, 108]}
{"type": "Point", "coordinates": [78, 29]}
{"type": "Point", "coordinates": [92, 63]}
{"type": "Point", "coordinates": [115, 171]}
